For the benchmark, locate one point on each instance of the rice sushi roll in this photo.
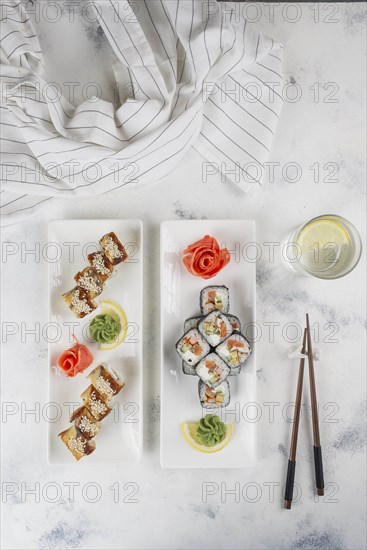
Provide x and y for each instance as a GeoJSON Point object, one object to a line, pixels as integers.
{"type": "Point", "coordinates": [214, 397]}
{"type": "Point", "coordinates": [214, 297]}
{"type": "Point", "coordinates": [235, 322]}
{"type": "Point", "coordinates": [212, 370]}
{"type": "Point", "coordinates": [191, 322]}
{"type": "Point", "coordinates": [215, 328]}
{"type": "Point", "coordinates": [188, 369]}
{"type": "Point", "coordinates": [234, 351]}
{"type": "Point", "coordinates": [192, 347]}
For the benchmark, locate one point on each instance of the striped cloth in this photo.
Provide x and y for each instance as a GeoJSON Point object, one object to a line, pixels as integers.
{"type": "Point", "coordinates": [200, 75]}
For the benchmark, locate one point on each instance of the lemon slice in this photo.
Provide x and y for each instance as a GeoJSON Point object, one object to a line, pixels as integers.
{"type": "Point", "coordinates": [322, 232]}
{"type": "Point", "coordinates": [189, 430]}
{"type": "Point", "coordinates": [118, 313]}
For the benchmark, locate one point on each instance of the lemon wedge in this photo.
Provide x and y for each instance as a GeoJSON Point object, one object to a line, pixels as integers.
{"type": "Point", "coordinates": [189, 430]}
{"type": "Point", "coordinates": [322, 232]}
{"type": "Point", "coordinates": [109, 307]}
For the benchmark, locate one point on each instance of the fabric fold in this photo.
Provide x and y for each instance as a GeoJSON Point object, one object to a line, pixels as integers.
{"type": "Point", "coordinates": [200, 76]}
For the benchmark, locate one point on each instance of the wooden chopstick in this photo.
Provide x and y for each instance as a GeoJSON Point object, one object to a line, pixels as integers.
{"type": "Point", "coordinates": [315, 416]}
{"type": "Point", "coordinates": [288, 496]}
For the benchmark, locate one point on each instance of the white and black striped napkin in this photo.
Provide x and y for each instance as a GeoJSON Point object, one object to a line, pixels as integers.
{"type": "Point", "coordinates": [201, 75]}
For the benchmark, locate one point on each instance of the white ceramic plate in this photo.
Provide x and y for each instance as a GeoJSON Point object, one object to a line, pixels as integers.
{"type": "Point", "coordinates": [120, 438]}
{"type": "Point", "coordinates": [179, 300]}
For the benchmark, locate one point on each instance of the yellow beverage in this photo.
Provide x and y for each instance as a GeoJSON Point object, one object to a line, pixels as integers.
{"type": "Point", "coordinates": [327, 247]}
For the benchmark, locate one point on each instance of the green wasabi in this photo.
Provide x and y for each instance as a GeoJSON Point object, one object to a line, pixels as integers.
{"type": "Point", "coordinates": [210, 430]}
{"type": "Point", "coordinates": [104, 328]}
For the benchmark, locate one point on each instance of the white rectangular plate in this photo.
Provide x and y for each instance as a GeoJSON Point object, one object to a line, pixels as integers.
{"type": "Point", "coordinates": [70, 241]}
{"type": "Point", "coordinates": [180, 295]}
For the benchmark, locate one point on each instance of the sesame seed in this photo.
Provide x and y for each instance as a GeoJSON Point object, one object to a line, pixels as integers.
{"type": "Point", "coordinates": [88, 283]}
{"type": "Point", "coordinates": [77, 445]}
{"type": "Point", "coordinates": [80, 305]}
{"type": "Point", "coordinates": [111, 248]}
{"type": "Point", "coordinates": [103, 386]}
{"type": "Point", "coordinates": [99, 265]}
{"type": "Point", "coordinates": [86, 425]}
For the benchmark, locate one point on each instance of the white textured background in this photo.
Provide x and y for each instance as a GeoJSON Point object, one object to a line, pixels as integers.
{"type": "Point", "coordinates": [170, 512]}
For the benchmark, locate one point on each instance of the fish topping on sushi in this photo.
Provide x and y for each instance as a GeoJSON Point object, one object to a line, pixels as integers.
{"type": "Point", "coordinates": [215, 328]}
{"type": "Point", "coordinates": [234, 350]}
{"type": "Point", "coordinates": [214, 397]}
{"type": "Point", "coordinates": [214, 297]}
{"type": "Point", "coordinates": [235, 322]}
{"type": "Point", "coordinates": [192, 347]}
{"type": "Point", "coordinates": [212, 370]}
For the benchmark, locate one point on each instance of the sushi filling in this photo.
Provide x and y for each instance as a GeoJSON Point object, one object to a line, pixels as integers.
{"type": "Point", "coordinates": [215, 328]}
{"type": "Point", "coordinates": [214, 298]}
{"type": "Point", "coordinates": [234, 351]}
{"type": "Point", "coordinates": [192, 347]}
{"type": "Point", "coordinates": [212, 370]}
{"type": "Point", "coordinates": [211, 397]}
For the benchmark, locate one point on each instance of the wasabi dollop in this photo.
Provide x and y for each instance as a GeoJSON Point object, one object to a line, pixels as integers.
{"type": "Point", "coordinates": [104, 328]}
{"type": "Point", "coordinates": [210, 430]}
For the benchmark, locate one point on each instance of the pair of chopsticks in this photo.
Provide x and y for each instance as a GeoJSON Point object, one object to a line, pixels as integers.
{"type": "Point", "coordinates": [319, 474]}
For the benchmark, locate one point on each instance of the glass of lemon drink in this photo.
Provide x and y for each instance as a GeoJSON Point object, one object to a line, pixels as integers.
{"type": "Point", "coordinates": [327, 247]}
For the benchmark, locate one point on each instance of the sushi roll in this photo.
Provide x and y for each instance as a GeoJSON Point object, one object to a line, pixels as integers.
{"type": "Point", "coordinates": [235, 322]}
{"type": "Point", "coordinates": [214, 297]}
{"type": "Point", "coordinates": [212, 370]}
{"type": "Point", "coordinates": [95, 403]}
{"type": "Point", "coordinates": [79, 302]}
{"type": "Point", "coordinates": [90, 281]}
{"type": "Point", "coordinates": [106, 382]}
{"type": "Point", "coordinates": [188, 369]}
{"type": "Point", "coordinates": [101, 264]}
{"type": "Point", "coordinates": [215, 328]}
{"type": "Point", "coordinates": [192, 347]}
{"type": "Point", "coordinates": [214, 397]}
{"type": "Point", "coordinates": [113, 248]}
{"type": "Point", "coordinates": [234, 351]}
{"type": "Point", "coordinates": [85, 422]}
{"type": "Point", "coordinates": [77, 444]}
{"type": "Point", "coordinates": [191, 322]}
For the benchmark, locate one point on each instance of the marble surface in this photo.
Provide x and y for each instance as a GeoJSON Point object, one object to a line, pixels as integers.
{"type": "Point", "coordinates": [145, 507]}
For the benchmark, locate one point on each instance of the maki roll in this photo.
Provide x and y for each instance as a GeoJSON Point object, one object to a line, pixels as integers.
{"type": "Point", "coordinates": [101, 264]}
{"type": "Point", "coordinates": [214, 297]}
{"type": "Point", "coordinates": [90, 281]}
{"type": "Point", "coordinates": [212, 370]}
{"type": "Point", "coordinates": [79, 302]}
{"type": "Point", "coordinates": [188, 369]}
{"type": "Point", "coordinates": [234, 351]}
{"type": "Point", "coordinates": [95, 403]}
{"type": "Point", "coordinates": [215, 328]}
{"type": "Point", "coordinates": [214, 397]}
{"type": "Point", "coordinates": [192, 347]}
{"type": "Point", "coordinates": [235, 322]}
{"type": "Point", "coordinates": [113, 248]}
{"type": "Point", "coordinates": [106, 382]}
{"type": "Point", "coordinates": [77, 444]}
{"type": "Point", "coordinates": [85, 422]}
{"type": "Point", "coordinates": [191, 322]}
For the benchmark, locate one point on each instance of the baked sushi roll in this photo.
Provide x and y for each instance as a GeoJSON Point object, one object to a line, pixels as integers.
{"type": "Point", "coordinates": [79, 302]}
{"type": "Point", "coordinates": [77, 444]}
{"type": "Point", "coordinates": [85, 422]}
{"type": "Point", "coordinates": [192, 347]}
{"type": "Point", "coordinates": [214, 397]}
{"type": "Point", "coordinates": [101, 265]}
{"type": "Point", "coordinates": [235, 322]}
{"type": "Point", "coordinates": [191, 322]}
{"type": "Point", "coordinates": [212, 370]}
{"type": "Point", "coordinates": [215, 327]}
{"type": "Point", "coordinates": [95, 403]}
{"type": "Point", "coordinates": [90, 281]}
{"type": "Point", "coordinates": [106, 382]}
{"type": "Point", "coordinates": [214, 297]}
{"type": "Point", "coordinates": [113, 248]}
{"type": "Point", "coordinates": [234, 351]}
{"type": "Point", "coordinates": [188, 369]}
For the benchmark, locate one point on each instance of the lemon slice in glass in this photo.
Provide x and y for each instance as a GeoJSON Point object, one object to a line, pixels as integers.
{"type": "Point", "coordinates": [189, 430]}
{"type": "Point", "coordinates": [322, 232]}
{"type": "Point", "coordinates": [118, 313]}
